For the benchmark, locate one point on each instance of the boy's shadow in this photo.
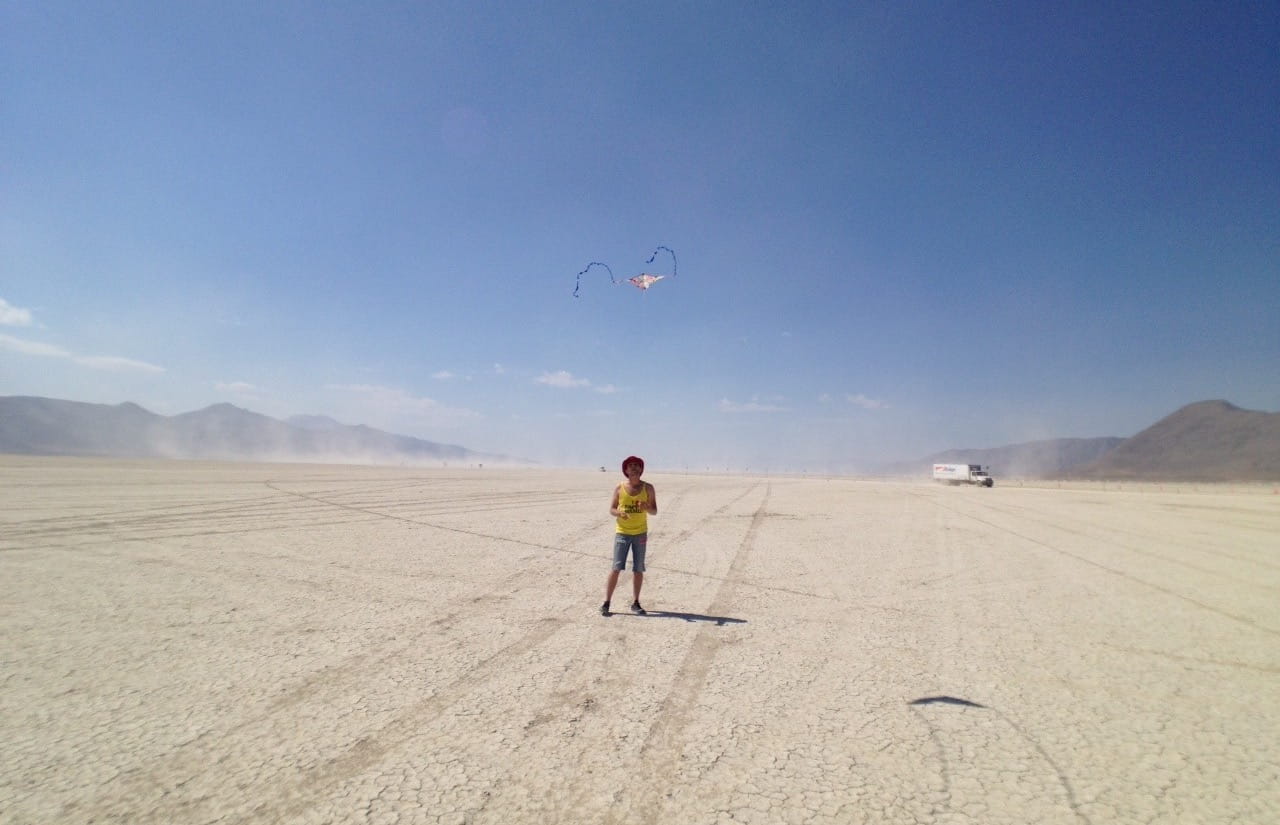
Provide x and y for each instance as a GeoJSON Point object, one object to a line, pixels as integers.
{"type": "Point", "coordinates": [688, 617]}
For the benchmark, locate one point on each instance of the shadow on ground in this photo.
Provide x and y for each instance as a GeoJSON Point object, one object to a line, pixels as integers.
{"type": "Point", "coordinates": [688, 617]}
{"type": "Point", "coordinates": [945, 700]}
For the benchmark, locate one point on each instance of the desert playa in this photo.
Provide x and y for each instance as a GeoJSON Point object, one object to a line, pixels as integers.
{"type": "Point", "coordinates": [200, 642]}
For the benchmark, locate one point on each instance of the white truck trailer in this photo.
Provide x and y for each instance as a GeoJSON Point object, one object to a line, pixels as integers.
{"type": "Point", "coordinates": [962, 474]}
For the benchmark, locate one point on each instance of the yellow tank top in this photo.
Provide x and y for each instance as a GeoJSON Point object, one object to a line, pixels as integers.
{"type": "Point", "coordinates": [637, 520]}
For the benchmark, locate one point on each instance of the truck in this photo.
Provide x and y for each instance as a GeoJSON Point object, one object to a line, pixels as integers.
{"type": "Point", "coordinates": [963, 474]}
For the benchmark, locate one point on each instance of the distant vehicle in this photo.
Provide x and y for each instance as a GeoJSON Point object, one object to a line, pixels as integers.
{"type": "Point", "coordinates": [963, 474]}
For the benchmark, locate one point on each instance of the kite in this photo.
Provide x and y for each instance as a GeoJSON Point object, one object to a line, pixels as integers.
{"type": "Point", "coordinates": [641, 282]}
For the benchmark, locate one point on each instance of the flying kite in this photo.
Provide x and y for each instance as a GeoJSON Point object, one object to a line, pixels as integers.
{"type": "Point", "coordinates": [641, 282]}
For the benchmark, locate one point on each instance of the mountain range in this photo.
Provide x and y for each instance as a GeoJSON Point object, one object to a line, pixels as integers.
{"type": "Point", "coordinates": [1204, 441]}
{"type": "Point", "coordinates": [48, 426]}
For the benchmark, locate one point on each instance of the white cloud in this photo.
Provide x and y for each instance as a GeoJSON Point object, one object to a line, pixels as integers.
{"type": "Point", "coordinates": [13, 316]}
{"type": "Point", "coordinates": [753, 406]}
{"type": "Point", "coordinates": [442, 375]}
{"type": "Point", "coordinates": [392, 401]}
{"type": "Point", "coordinates": [498, 369]}
{"type": "Point", "coordinates": [234, 386]}
{"type": "Point", "coordinates": [866, 403]}
{"type": "Point", "coordinates": [32, 347]}
{"type": "Point", "coordinates": [606, 389]}
{"type": "Point", "coordinates": [115, 363]}
{"type": "Point", "coordinates": [561, 378]}
{"type": "Point", "coordinates": [586, 414]}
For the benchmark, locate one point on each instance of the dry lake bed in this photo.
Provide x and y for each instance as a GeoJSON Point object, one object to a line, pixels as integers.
{"type": "Point", "coordinates": [231, 643]}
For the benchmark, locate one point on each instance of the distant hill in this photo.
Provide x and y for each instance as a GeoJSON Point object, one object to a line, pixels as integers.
{"type": "Point", "coordinates": [1033, 459]}
{"type": "Point", "coordinates": [319, 423]}
{"type": "Point", "coordinates": [1205, 441]}
{"type": "Point", "coordinates": [47, 426]}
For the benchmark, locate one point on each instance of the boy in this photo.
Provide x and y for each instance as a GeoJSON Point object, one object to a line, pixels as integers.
{"type": "Point", "coordinates": [633, 501]}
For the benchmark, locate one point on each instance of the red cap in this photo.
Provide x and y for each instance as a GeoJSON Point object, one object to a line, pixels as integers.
{"type": "Point", "coordinates": [632, 459]}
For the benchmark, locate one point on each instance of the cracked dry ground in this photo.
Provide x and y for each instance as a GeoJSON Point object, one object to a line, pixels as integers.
{"type": "Point", "coordinates": [204, 643]}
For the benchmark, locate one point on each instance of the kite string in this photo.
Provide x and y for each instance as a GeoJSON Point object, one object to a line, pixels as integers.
{"type": "Point", "coordinates": [578, 283]}
{"type": "Point", "coordinates": [669, 252]}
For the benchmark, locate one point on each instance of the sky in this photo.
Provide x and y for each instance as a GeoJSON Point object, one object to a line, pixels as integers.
{"type": "Point", "coordinates": [897, 228]}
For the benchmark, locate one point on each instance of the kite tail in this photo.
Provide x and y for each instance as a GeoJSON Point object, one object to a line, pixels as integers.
{"type": "Point", "coordinates": [669, 252]}
{"type": "Point", "coordinates": [578, 283]}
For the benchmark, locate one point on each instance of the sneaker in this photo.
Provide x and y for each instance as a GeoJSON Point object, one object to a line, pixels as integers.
{"type": "Point", "coordinates": [604, 609]}
{"type": "Point", "coordinates": [636, 608]}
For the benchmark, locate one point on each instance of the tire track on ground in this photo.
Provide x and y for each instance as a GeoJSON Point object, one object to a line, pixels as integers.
{"type": "Point", "coordinates": [1107, 535]}
{"type": "Point", "coordinates": [191, 785]}
{"type": "Point", "coordinates": [1198, 660]}
{"type": "Point", "coordinates": [423, 523]}
{"type": "Point", "coordinates": [370, 749]}
{"type": "Point", "coordinates": [580, 535]}
{"type": "Point", "coordinates": [160, 518]}
{"type": "Point", "coordinates": [162, 521]}
{"type": "Point", "coordinates": [685, 534]}
{"type": "Point", "coordinates": [1247, 620]}
{"type": "Point", "coordinates": [108, 540]}
{"type": "Point", "coordinates": [663, 741]}
{"type": "Point", "coordinates": [679, 537]}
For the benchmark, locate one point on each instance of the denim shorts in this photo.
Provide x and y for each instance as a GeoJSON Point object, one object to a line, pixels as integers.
{"type": "Point", "coordinates": [636, 544]}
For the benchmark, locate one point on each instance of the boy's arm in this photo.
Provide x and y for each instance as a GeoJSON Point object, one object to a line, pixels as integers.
{"type": "Point", "coordinates": [652, 509]}
{"type": "Point", "coordinates": [613, 505]}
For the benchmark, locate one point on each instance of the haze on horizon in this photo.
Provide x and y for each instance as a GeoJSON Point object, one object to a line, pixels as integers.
{"type": "Point", "coordinates": [900, 229]}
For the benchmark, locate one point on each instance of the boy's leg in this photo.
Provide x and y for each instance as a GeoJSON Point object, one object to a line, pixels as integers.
{"type": "Point", "coordinates": [637, 567]}
{"type": "Point", "coordinates": [638, 571]}
{"type": "Point", "coordinates": [619, 561]}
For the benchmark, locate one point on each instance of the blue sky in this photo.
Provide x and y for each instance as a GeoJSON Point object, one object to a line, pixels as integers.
{"type": "Point", "coordinates": [900, 227]}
